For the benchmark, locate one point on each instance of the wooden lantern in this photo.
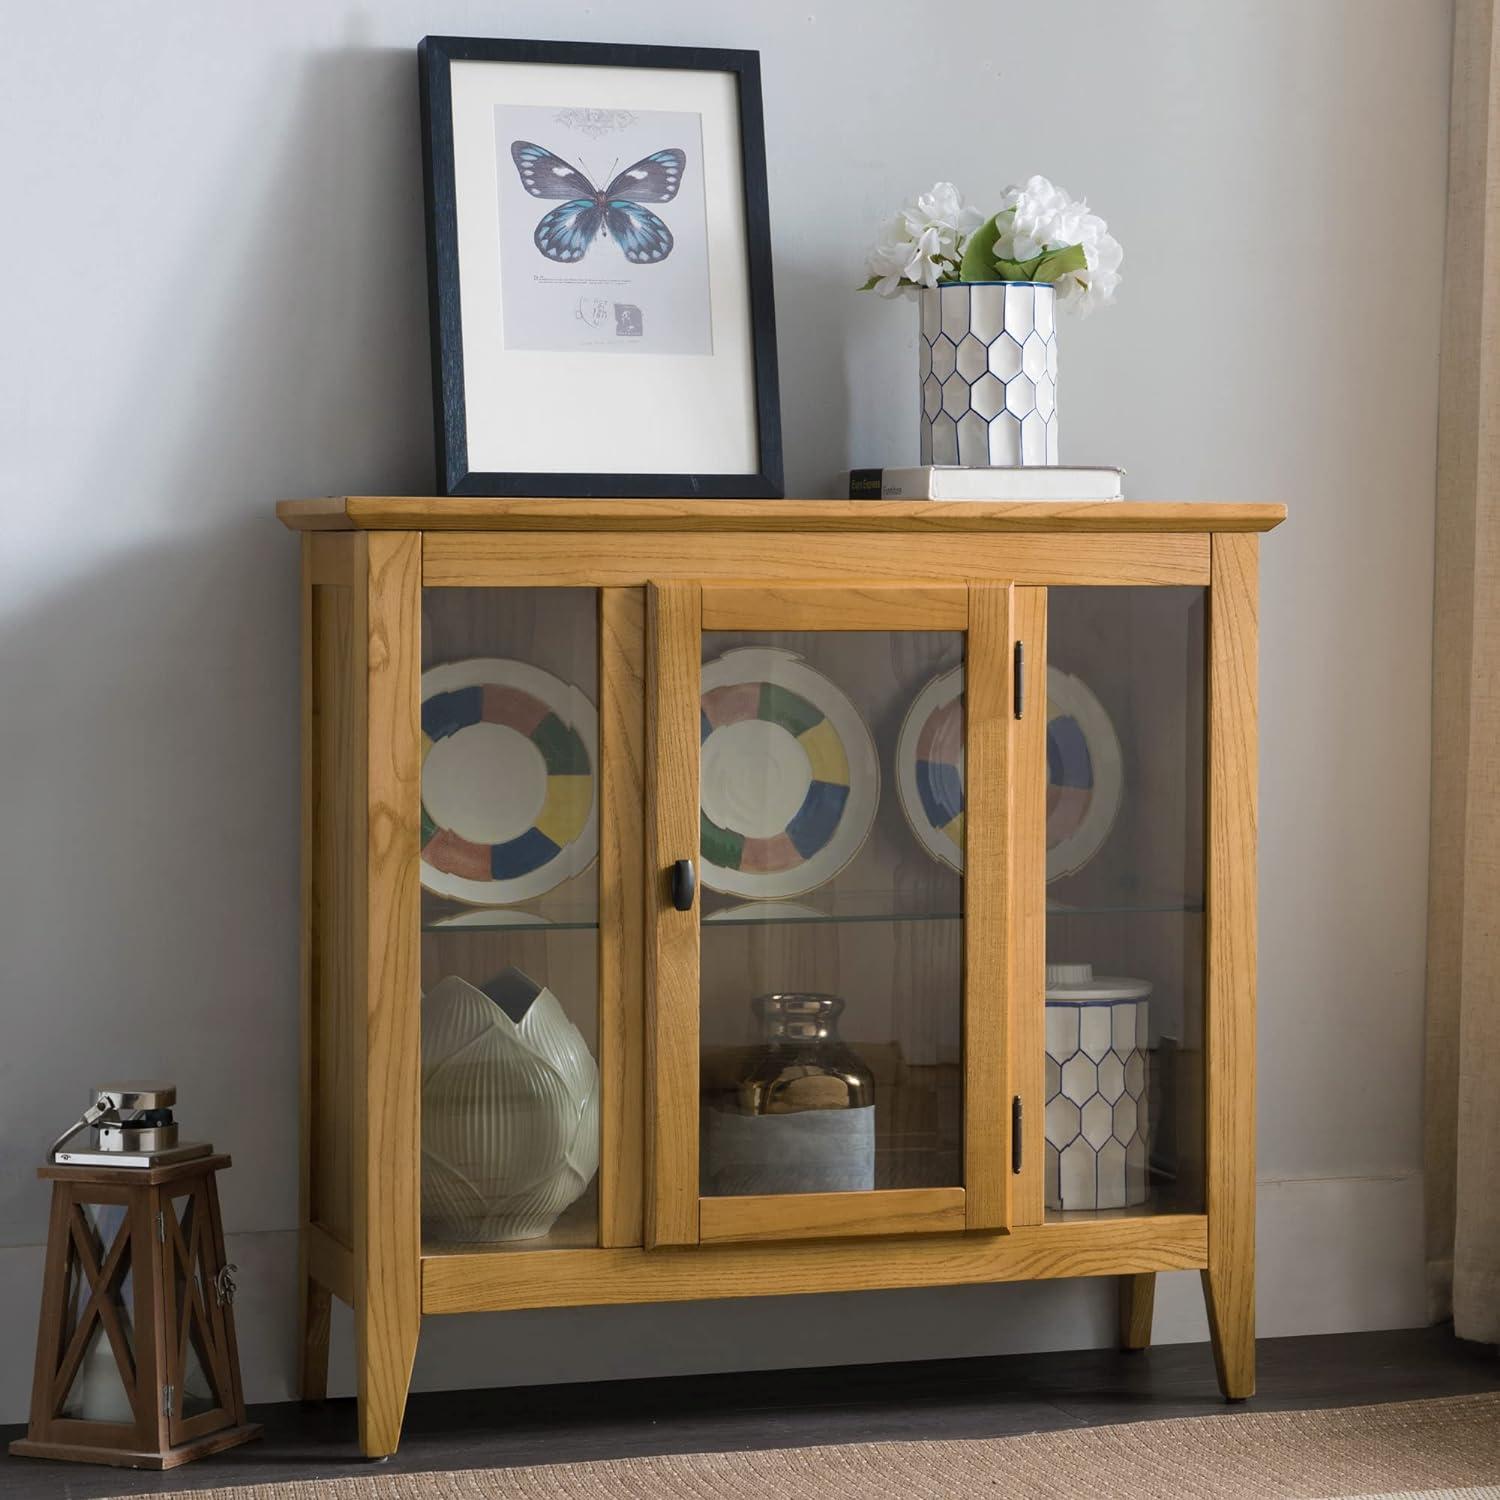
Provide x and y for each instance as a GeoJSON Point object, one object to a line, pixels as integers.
{"type": "Point", "coordinates": [136, 1362]}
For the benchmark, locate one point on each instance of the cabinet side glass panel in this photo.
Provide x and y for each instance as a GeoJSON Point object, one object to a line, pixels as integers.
{"type": "Point", "coordinates": [1126, 744]}
{"type": "Point", "coordinates": [510, 904]}
{"type": "Point", "coordinates": [831, 951]}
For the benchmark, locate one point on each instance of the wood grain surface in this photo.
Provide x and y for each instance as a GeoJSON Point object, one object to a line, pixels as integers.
{"type": "Point", "coordinates": [387, 1217]}
{"type": "Point", "coordinates": [1229, 1279]}
{"type": "Point", "coordinates": [438, 513]}
{"type": "Point", "coordinates": [673, 613]}
{"type": "Point", "coordinates": [758, 605]}
{"type": "Point", "coordinates": [1099, 1247]}
{"type": "Point", "coordinates": [809, 1216]}
{"type": "Point", "coordinates": [622, 913]}
{"type": "Point", "coordinates": [1137, 1306]}
{"type": "Point", "coordinates": [1026, 894]}
{"type": "Point", "coordinates": [630, 559]}
{"type": "Point", "coordinates": [988, 718]}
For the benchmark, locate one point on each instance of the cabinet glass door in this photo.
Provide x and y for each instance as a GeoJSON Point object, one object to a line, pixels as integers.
{"type": "Point", "coordinates": [829, 907]}
{"type": "Point", "coordinates": [1126, 742]}
{"type": "Point", "coordinates": [511, 798]}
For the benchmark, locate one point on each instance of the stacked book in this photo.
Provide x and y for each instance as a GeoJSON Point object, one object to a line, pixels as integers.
{"type": "Point", "coordinates": [947, 482]}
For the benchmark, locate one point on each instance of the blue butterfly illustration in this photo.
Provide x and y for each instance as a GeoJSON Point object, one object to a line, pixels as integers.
{"type": "Point", "coordinates": [566, 232]}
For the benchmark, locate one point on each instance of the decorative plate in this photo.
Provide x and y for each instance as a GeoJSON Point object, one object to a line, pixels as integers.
{"type": "Point", "coordinates": [1084, 780]}
{"type": "Point", "coordinates": [1084, 774]}
{"type": "Point", "coordinates": [509, 800]}
{"type": "Point", "coordinates": [930, 767]}
{"type": "Point", "coordinates": [789, 781]}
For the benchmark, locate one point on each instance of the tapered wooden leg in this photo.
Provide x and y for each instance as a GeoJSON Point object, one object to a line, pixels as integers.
{"type": "Point", "coordinates": [1137, 1302]}
{"type": "Point", "coordinates": [312, 1342]}
{"type": "Point", "coordinates": [387, 1046]}
{"type": "Point", "coordinates": [385, 1347]}
{"type": "Point", "coordinates": [1229, 1133]}
{"type": "Point", "coordinates": [1231, 1324]}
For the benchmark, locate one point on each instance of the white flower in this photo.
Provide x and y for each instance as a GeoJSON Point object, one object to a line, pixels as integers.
{"type": "Point", "coordinates": [922, 244]}
{"type": "Point", "coordinates": [1041, 216]}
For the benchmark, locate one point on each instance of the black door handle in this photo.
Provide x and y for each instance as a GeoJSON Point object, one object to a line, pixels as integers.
{"type": "Point", "coordinates": [684, 884]}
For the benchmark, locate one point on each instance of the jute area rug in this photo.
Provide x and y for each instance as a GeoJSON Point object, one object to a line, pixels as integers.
{"type": "Point", "coordinates": [1432, 1449]}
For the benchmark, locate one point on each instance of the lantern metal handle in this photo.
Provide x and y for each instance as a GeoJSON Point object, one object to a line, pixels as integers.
{"type": "Point", "coordinates": [101, 1106]}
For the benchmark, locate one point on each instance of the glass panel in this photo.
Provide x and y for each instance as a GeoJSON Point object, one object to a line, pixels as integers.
{"type": "Point", "coordinates": [197, 1392]}
{"type": "Point", "coordinates": [510, 915]}
{"type": "Point", "coordinates": [97, 1391]}
{"type": "Point", "coordinates": [1127, 704]}
{"type": "Point", "coordinates": [831, 954]}
{"type": "Point", "coordinates": [197, 1385]}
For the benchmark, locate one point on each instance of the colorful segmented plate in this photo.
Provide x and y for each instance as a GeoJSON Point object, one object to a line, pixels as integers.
{"type": "Point", "coordinates": [789, 779]}
{"type": "Point", "coordinates": [930, 767]}
{"type": "Point", "coordinates": [1084, 780]}
{"type": "Point", "coordinates": [1085, 775]}
{"type": "Point", "coordinates": [509, 800]}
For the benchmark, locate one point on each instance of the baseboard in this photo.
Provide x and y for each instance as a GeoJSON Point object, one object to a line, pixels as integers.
{"type": "Point", "coordinates": [1334, 1255]}
{"type": "Point", "coordinates": [1337, 1255]}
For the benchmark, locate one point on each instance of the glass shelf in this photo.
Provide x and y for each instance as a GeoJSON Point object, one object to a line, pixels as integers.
{"type": "Point", "coordinates": [827, 907]}
{"type": "Point", "coordinates": [563, 918]}
{"type": "Point", "coordinates": [846, 909]}
{"type": "Point", "coordinates": [1124, 908]}
{"type": "Point", "coordinates": [1166, 1199]}
{"type": "Point", "coordinates": [577, 1228]}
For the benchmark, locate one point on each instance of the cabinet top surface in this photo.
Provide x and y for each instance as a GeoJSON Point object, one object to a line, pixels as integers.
{"type": "Point", "coordinates": [400, 513]}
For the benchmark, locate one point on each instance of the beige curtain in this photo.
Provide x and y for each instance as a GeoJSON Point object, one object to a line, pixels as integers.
{"type": "Point", "coordinates": [1463, 942]}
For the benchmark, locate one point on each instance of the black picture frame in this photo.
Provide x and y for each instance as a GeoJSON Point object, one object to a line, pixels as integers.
{"type": "Point", "coordinates": [435, 56]}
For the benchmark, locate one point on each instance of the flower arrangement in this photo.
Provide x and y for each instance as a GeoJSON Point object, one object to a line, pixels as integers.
{"type": "Point", "coordinates": [1039, 233]}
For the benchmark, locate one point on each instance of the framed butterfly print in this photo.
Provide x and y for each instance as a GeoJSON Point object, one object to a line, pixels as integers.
{"type": "Point", "coordinates": [599, 265]}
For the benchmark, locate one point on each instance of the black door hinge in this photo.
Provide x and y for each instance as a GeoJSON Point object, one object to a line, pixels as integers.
{"type": "Point", "coordinates": [1019, 679]}
{"type": "Point", "coordinates": [1016, 1152]}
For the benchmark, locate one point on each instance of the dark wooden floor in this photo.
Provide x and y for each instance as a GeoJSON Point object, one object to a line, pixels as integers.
{"type": "Point", "coordinates": [871, 1403]}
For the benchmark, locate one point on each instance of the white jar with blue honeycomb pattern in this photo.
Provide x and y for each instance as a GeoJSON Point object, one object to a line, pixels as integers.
{"type": "Point", "coordinates": [1098, 1082]}
{"type": "Point", "coordinates": [987, 367]}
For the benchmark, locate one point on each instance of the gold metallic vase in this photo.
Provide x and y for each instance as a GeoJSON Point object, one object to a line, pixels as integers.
{"type": "Point", "coordinates": [802, 1115]}
{"type": "Point", "coordinates": [802, 1063]}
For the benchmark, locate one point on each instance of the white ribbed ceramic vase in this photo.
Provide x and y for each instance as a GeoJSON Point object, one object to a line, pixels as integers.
{"type": "Point", "coordinates": [1097, 1081]}
{"type": "Point", "coordinates": [510, 1110]}
{"type": "Point", "coordinates": [987, 358]}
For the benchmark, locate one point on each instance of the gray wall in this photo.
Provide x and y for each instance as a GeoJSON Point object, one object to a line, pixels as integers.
{"type": "Point", "coordinates": [216, 297]}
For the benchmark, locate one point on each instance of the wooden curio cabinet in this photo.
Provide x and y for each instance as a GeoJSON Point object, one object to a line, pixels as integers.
{"type": "Point", "coordinates": [807, 896]}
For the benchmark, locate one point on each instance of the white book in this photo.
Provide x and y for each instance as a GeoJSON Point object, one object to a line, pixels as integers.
{"type": "Point", "coordinates": [945, 482]}
{"type": "Point", "coordinates": [187, 1151]}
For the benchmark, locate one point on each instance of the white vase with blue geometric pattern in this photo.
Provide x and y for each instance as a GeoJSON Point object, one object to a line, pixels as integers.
{"type": "Point", "coordinates": [1097, 1091]}
{"type": "Point", "coordinates": [987, 366]}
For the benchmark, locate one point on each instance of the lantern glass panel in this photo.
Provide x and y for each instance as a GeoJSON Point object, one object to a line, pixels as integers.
{"type": "Point", "coordinates": [99, 1276]}
{"type": "Point", "coordinates": [195, 1296]}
